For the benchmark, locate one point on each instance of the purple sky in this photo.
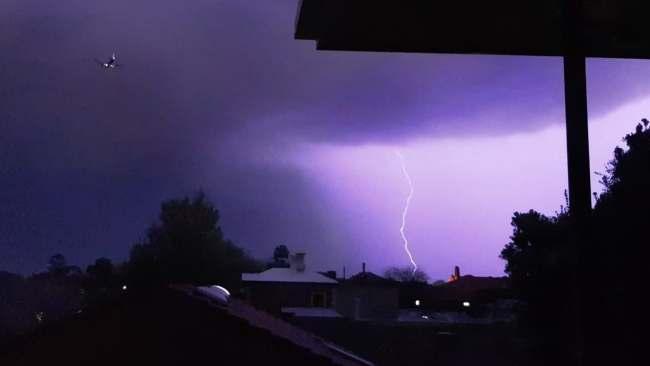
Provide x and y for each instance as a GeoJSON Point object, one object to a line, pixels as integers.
{"type": "Point", "coordinates": [293, 145]}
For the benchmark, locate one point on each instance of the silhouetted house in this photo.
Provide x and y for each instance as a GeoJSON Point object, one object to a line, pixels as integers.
{"type": "Point", "coordinates": [455, 293]}
{"type": "Point", "coordinates": [414, 295]}
{"type": "Point", "coordinates": [468, 287]}
{"type": "Point", "coordinates": [367, 296]}
{"type": "Point", "coordinates": [292, 287]}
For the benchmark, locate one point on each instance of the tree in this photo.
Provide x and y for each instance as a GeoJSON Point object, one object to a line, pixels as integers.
{"type": "Point", "coordinates": [187, 246]}
{"type": "Point", "coordinates": [280, 257]}
{"type": "Point", "coordinates": [406, 274]}
{"type": "Point", "coordinates": [101, 273]}
{"type": "Point", "coordinates": [538, 264]}
{"type": "Point", "coordinates": [280, 252]}
{"type": "Point", "coordinates": [616, 265]}
{"type": "Point", "coordinates": [57, 265]}
{"type": "Point", "coordinates": [540, 258]}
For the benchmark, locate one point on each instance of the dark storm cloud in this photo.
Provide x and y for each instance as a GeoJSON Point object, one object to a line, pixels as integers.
{"type": "Point", "coordinates": [211, 92]}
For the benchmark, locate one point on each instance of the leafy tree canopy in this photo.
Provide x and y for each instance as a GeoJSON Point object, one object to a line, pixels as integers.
{"type": "Point", "coordinates": [187, 246]}
{"type": "Point", "coordinates": [540, 258]}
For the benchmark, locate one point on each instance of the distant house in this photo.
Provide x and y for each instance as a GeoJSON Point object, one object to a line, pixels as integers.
{"type": "Point", "coordinates": [294, 287]}
{"type": "Point", "coordinates": [455, 293]}
{"type": "Point", "coordinates": [367, 296]}
{"type": "Point", "coordinates": [474, 288]}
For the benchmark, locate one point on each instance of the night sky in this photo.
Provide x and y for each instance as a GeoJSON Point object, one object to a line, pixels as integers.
{"type": "Point", "coordinates": [294, 146]}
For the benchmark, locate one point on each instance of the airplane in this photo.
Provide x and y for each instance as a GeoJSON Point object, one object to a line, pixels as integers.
{"type": "Point", "coordinates": [110, 64]}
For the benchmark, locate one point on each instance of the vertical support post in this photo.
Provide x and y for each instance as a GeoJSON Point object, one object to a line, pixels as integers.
{"type": "Point", "coordinates": [577, 136]}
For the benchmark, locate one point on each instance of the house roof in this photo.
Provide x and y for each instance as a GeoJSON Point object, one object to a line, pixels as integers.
{"type": "Point", "coordinates": [467, 286]}
{"type": "Point", "coordinates": [476, 283]}
{"type": "Point", "coordinates": [287, 275]}
{"type": "Point", "coordinates": [284, 330]}
{"type": "Point", "coordinates": [138, 327]}
{"type": "Point", "coordinates": [368, 278]}
{"type": "Point", "coordinates": [609, 28]}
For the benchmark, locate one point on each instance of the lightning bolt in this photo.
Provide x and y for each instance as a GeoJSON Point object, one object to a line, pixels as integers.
{"type": "Point", "coordinates": [405, 211]}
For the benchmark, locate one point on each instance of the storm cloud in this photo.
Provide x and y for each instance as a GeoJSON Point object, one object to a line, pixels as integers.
{"type": "Point", "coordinates": [217, 95]}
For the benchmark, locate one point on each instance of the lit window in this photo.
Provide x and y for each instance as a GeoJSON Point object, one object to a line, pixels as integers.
{"type": "Point", "coordinates": [466, 304]}
{"type": "Point", "coordinates": [417, 302]}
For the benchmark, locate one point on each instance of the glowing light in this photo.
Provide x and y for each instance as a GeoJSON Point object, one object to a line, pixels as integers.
{"type": "Point", "coordinates": [466, 304]}
{"type": "Point", "coordinates": [40, 316]}
{"type": "Point", "coordinates": [425, 317]}
{"type": "Point", "coordinates": [124, 288]}
{"type": "Point", "coordinates": [405, 211]}
{"type": "Point", "coordinates": [417, 302]}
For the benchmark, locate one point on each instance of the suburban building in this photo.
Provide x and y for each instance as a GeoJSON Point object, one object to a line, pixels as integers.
{"type": "Point", "coordinates": [295, 288]}
{"type": "Point", "coordinates": [456, 293]}
{"type": "Point", "coordinates": [367, 296]}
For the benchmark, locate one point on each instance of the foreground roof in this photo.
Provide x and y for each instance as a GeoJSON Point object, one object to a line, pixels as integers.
{"type": "Point", "coordinates": [610, 28]}
{"type": "Point", "coordinates": [286, 275]}
{"type": "Point", "coordinates": [168, 327]}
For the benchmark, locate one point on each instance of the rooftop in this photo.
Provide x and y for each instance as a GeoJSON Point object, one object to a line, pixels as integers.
{"type": "Point", "coordinates": [138, 329]}
{"type": "Point", "coordinates": [287, 275]}
{"type": "Point", "coordinates": [609, 28]}
{"type": "Point", "coordinates": [369, 278]}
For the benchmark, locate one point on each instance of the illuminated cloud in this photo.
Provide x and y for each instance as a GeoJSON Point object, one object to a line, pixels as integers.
{"type": "Point", "coordinates": [293, 145]}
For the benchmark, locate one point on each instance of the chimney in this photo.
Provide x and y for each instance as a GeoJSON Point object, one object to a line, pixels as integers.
{"type": "Point", "coordinates": [298, 262]}
{"type": "Point", "coordinates": [457, 272]}
{"type": "Point", "coordinates": [363, 267]}
{"type": "Point", "coordinates": [343, 272]}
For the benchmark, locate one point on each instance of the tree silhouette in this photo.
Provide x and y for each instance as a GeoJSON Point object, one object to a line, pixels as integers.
{"type": "Point", "coordinates": [616, 262]}
{"type": "Point", "coordinates": [57, 265]}
{"type": "Point", "coordinates": [539, 259]}
{"type": "Point", "coordinates": [280, 252]}
{"type": "Point", "coordinates": [101, 273]}
{"type": "Point", "coordinates": [280, 257]}
{"type": "Point", "coordinates": [538, 265]}
{"type": "Point", "coordinates": [405, 274]}
{"type": "Point", "coordinates": [187, 246]}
